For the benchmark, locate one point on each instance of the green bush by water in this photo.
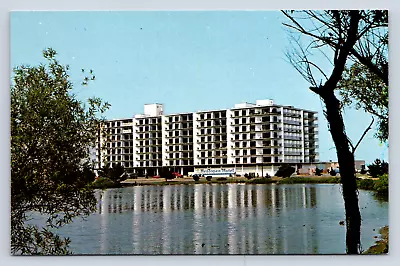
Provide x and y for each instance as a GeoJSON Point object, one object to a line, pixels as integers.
{"type": "Point", "coordinates": [104, 182]}
{"type": "Point", "coordinates": [382, 185]}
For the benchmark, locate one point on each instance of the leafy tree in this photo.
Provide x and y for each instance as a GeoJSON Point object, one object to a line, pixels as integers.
{"type": "Point", "coordinates": [378, 168]}
{"type": "Point", "coordinates": [360, 36]}
{"type": "Point", "coordinates": [318, 172]}
{"type": "Point", "coordinates": [364, 89]}
{"type": "Point", "coordinates": [51, 133]}
{"type": "Point", "coordinates": [285, 171]}
{"type": "Point", "coordinates": [116, 173]}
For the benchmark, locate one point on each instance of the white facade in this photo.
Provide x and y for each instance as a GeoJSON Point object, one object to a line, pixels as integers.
{"type": "Point", "coordinates": [250, 137]}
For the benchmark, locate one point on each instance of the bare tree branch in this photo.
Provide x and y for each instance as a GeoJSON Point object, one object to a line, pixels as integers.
{"type": "Point", "coordinates": [363, 135]}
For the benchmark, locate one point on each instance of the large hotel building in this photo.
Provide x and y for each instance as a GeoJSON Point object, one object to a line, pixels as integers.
{"type": "Point", "coordinates": [249, 138]}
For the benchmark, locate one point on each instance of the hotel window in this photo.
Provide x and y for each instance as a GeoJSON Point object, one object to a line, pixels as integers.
{"type": "Point", "coordinates": [202, 131]}
{"type": "Point", "coordinates": [209, 153]}
{"type": "Point", "coordinates": [218, 161]}
{"type": "Point", "coordinates": [244, 120]}
{"type": "Point", "coordinates": [202, 124]}
{"type": "Point", "coordinates": [202, 146]}
{"type": "Point", "coordinates": [209, 146]}
{"type": "Point", "coordinates": [208, 123]}
{"type": "Point", "coordinates": [237, 160]}
{"type": "Point", "coordinates": [237, 121]}
{"type": "Point", "coordinates": [203, 161]}
{"type": "Point", "coordinates": [209, 161]}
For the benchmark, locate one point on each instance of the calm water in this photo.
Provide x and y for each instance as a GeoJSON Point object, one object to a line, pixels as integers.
{"type": "Point", "coordinates": [222, 219]}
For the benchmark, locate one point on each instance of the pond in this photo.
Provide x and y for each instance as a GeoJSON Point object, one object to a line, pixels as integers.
{"type": "Point", "coordinates": [222, 219]}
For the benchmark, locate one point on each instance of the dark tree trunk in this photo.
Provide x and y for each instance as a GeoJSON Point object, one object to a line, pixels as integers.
{"type": "Point", "coordinates": [347, 172]}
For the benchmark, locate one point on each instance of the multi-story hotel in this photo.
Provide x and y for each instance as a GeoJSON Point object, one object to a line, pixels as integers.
{"type": "Point", "coordinates": [249, 138]}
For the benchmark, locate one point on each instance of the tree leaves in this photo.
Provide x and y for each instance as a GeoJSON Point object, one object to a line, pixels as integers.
{"type": "Point", "coordinates": [51, 132]}
{"type": "Point", "coordinates": [363, 89]}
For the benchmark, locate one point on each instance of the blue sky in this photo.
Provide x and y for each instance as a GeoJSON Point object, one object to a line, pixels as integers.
{"type": "Point", "coordinates": [189, 61]}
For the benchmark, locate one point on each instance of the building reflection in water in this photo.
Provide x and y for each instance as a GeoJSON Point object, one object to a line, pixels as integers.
{"type": "Point", "coordinates": [212, 219]}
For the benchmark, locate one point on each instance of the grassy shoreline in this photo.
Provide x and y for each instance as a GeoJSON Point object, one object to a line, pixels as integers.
{"type": "Point", "coordinates": [382, 245]}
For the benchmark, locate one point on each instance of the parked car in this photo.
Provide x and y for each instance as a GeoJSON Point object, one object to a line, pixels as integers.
{"type": "Point", "coordinates": [176, 174]}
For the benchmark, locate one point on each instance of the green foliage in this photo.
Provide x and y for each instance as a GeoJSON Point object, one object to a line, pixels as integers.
{"type": "Point", "coordinates": [285, 171]}
{"type": "Point", "coordinates": [208, 178]}
{"type": "Point", "coordinates": [332, 172]}
{"type": "Point", "coordinates": [104, 182]}
{"type": "Point", "coordinates": [318, 172]}
{"type": "Point", "coordinates": [261, 181]}
{"type": "Point", "coordinates": [367, 184]}
{"type": "Point", "coordinates": [116, 173]}
{"type": "Point", "coordinates": [365, 90]}
{"type": "Point", "coordinates": [196, 177]}
{"type": "Point", "coordinates": [378, 168]}
{"type": "Point", "coordinates": [382, 185]}
{"type": "Point", "coordinates": [51, 133]}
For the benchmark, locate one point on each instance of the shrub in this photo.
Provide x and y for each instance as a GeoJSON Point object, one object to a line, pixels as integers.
{"type": "Point", "coordinates": [378, 168]}
{"type": "Point", "coordinates": [196, 177]}
{"type": "Point", "coordinates": [365, 184]}
{"type": "Point", "coordinates": [332, 172]}
{"type": "Point", "coordinates": [285, 171]}
{"type": "Point", "coordinates": [382, 185]}
{"type": "Point", "coordinates": [363, 171]}
{"type": "Point", "coordinates": [222, 179]}
{"type": "Point", "coordinates": [104, 182]}
{"type": "Point", "coordinates": [318, 171]}
{"type": "Point", "coordinates": [208, 178]}
{"type": "Point", "coordinates": [246, 175]}
{"type": "Point", "coordinates": [267, 175]}
{"type": "Point", "coordinates": [261, 181]}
